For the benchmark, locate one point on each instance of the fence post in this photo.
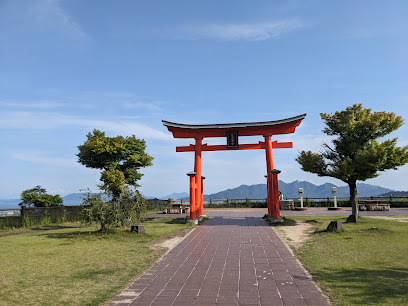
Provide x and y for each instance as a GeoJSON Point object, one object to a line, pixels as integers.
{"type": "Point", "coordinates": [62, 211]}
{"type": "Point", "coordinates": [22, 213]}
{"type": "Point", "coordinates": [390, 198]}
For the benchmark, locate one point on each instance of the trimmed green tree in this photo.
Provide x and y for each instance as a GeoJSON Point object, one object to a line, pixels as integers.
{"type": "Point", "coordinates": [355, 153]}
{"type": "Point", "coordinates": [120, 159]}
{"type": "Point", "coordinates": [38, 197]}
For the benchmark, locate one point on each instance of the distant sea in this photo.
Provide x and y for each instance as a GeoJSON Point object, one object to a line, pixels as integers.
{"type": "Point", "coordinates": [72, 199]}
{"type": "Point", "coordinates": [9, 203]}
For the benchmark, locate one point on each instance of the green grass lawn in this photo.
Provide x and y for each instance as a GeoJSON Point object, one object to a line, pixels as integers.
{"type": "Point", "coordinates": [365, 264]}
{"type": "Point", "coordinates": [76, 265]}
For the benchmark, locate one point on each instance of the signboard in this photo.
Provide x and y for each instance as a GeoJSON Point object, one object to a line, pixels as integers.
{"type": "Point", "coordinates": [232, 140]}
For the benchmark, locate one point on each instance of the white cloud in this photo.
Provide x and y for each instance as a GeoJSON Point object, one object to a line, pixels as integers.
{"type": "Point", "coordinates": [50, 120]}
{"type": "Point", "coordinates": [50, 13]}
{"type": "Point", "coordinates": [142, 105]}
{"type": "Point", "coordinates": [33, 104]}
{"type": "Point", "coordinates": [234, 32]}
{"type": "Point", "coordinates": [44, 158]}
{"type": "Point", "coordinates": [127, 128]}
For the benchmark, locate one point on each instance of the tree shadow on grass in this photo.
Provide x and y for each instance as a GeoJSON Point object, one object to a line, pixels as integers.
{"type": "Point", "coordinates": [39, 229]}
{"type": "Point", "coordinates": [374, 286]}
{"type": "Point", "coordinates": [54, 227]}
{"type": "Point", "coordinates": [71, 235]}
{"type": "Point", "coordinates": [177, 221]}
{"type": "Point", "coordinates": [169, 220]}
{"type": "Point", "coordinates": [286, 222]}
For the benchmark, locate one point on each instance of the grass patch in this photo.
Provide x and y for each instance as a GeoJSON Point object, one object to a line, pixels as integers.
{"type": "Point", "coordinates": [76, 265]}
{"type": "Point", "coordinates": [399, 216]}
{"type": "Point", "coordinates": [365, 263]}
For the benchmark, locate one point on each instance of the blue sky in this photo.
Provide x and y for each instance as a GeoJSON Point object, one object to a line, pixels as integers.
{"type": "Point", "coordinates": [67, 67]}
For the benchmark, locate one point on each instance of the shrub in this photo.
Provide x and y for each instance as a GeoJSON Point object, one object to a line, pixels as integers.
{"type": "Point", "coordinates": [129, 208]}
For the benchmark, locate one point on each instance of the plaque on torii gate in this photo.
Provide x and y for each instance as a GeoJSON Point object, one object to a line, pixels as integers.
{"type": "Point", "coordinates": [232, 131]}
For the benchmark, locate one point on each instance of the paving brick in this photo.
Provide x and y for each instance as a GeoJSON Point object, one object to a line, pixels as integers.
{"type": "Point", "coordinates": [204, 299]}
{"type": "Point", "coordinates": [251, 293]}
{"type": "Point", "coordinates": [227, 299]}
{"type": "Point", "coordinates": [271, 301]}
{"type": "Point", "coordinates": [248, 300]}
{"type": "Point", "coordinates": [164, 299]}
{"type": "Point", "coordinates": [189, 292]}
{"type": "Point", "coordinates": [168, 293]}
{"type": "Point", "coordinates": [143, 300]}
{"type": "Point", "coordinates": [293, 302]}
{"type": "Point", "coordinates": [315, 301]}
{"type": "Point", "coordinates": [185, 299]}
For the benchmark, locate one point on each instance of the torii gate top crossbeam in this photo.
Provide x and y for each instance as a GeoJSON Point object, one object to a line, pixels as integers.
{"type": "Point", "coordinates": [284, 126]}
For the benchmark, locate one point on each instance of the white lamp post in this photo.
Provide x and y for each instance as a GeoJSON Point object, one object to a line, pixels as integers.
{"type": "Point", "coordinates": [301, 197]}
{"type": "Point", "coordinates": [334, 192]}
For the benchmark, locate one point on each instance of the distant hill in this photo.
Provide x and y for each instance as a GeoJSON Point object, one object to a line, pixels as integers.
{"type": "Point", "coordinates": [241, 192]}
{"type": "Point", "coordinates": [176, 196]}
{"type": "Point", "coordinates": [290, 190]}
{"type": "Point", "coordinates": [73, 199]}
{"type": "Point", "coordinates": [395, 194]}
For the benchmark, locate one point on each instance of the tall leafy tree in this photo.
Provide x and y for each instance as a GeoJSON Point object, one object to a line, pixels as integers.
{"type": "Point", "coordinates": [120, 159]}
{"type": "Point", "coordinates": [355, 153]}
{"type": "Point", "coordinates": [38, 197]}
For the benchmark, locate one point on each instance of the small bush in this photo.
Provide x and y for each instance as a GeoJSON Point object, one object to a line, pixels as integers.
{"type": "Point", "coordinates": [129, 208]}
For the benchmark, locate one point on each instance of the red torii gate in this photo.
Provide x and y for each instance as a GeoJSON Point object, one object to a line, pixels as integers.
{"type": "Point", "coordinates": [232, 131]}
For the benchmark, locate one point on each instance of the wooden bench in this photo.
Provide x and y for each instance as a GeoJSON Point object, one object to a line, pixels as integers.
{"type": "Point", "coordinates": [176, 208]}
{"type": "Point", "coordinates": [374, 205]}
{"type": "Point", "coordinates": [286, 205]}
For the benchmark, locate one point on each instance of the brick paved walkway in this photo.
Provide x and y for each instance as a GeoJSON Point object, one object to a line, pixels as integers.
{"type": "Point", "coordinates": [234, 258]}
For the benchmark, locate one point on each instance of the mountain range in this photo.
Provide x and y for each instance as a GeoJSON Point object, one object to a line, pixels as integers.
{"type": "Point", "coordinates": [289, 190]}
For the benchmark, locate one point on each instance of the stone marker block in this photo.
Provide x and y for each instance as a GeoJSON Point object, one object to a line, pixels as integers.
{"type": "Point", "coordinates": [138, 229]}
{"type": "Point", "coordinates": [334, 226]}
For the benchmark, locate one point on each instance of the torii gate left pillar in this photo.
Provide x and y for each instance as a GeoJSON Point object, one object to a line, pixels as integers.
{"type": "Point", "coordinates": [269, 178]}
{"type": "Point", "coordinates": [232, 131]}
{"type": "Point", "coordinates": [199, 209]}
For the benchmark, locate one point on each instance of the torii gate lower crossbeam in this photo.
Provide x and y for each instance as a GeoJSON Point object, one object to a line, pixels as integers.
{"type": "Point", "coordinates": [232, 132]}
